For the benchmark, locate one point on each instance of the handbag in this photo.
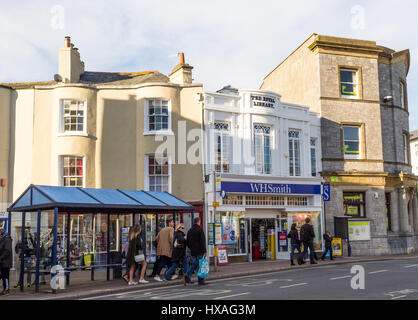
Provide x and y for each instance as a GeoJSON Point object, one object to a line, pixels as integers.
{"type": "Point", "coordinates": [140, 256]}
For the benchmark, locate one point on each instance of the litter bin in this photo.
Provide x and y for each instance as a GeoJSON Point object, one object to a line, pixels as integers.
{"type": "Point", "coordinates": [116, 258]}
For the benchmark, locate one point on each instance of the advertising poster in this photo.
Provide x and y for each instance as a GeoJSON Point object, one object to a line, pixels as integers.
{"type": "Point", "coordinates": [337, 247]}
{"type": "Point", "coordinates": [359, 230]}
{"type": "Point", "coordinates": [222, 256]}
{"type": "Point", "coordinates": [282, 239]}
{"type": "Point", "coordinates": [229, 230]}
{"type": "Point", "coordinates": [218, 233]}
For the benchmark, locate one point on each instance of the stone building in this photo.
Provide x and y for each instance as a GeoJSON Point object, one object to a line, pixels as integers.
{"type": "Point", "coordinates": [360, 91]}
{"type": "Point", "coordinates": [100, 130]}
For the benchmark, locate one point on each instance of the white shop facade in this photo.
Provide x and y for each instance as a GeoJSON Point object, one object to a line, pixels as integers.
{"type": "Point", "coordinates": [262, 172]}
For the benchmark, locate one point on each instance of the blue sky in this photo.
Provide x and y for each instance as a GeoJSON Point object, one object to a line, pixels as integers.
{"type": "Point", "coordinates": [228, 42]}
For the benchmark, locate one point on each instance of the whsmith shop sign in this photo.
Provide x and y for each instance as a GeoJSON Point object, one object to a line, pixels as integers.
{"type": "Point", "coordinates": [269, 188]}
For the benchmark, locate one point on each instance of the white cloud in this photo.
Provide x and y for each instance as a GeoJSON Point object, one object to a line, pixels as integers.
{"type": "Point", "coordinates": [228, 42]}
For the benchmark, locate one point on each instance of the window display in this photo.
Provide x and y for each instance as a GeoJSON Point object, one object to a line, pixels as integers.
{"type": "Point", "coordinates": [231, 231]}
{"type": "Point", "coordinates": [299, 219]}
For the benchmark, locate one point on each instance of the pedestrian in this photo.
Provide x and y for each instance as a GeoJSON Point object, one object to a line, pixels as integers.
{"type": "Point", "coordinates": [135, 247]}
{"type": "Point", "coordinates": [328, 245]}
{"type": "Point", "coordinates": [124, 256]}
{"type": "Point", "coordinates": [6, 260]}
{"type": "Point", "coordinates": [28, 253]}
{"type": "Point", "coordinates": [179, 253]}
{"type": "Point", "coordinates": [196, 241]}
{"type": "Point", "coordinates": [294, 242]}
{"type": "Point", "coordinates": [165, 240]}
{"type": "Point", "coordinates": [307, 235]}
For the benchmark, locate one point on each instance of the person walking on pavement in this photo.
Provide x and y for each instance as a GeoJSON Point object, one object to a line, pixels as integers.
{"type": "Point", "coordinates": [6, 260]}
{"type": "Point", "coordinates": [294, 242]}
{"type": "Point", "coordinates": [196, 241]}
{"type": "Point", "coordinates": [328, 245]}
{"type": "Point", "coordinates": [165, 240]}
{"type": "Point", "coordinates": [307, 236]}
{"type": "Point", "coordinates": [135, 245]}
{"type": "Point", "coordinates": [179, 253]}
{"type": "Point", "coordinates": [28, 252]}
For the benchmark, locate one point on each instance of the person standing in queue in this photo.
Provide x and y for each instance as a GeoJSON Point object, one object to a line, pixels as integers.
{"type": "Point", "coordinates": [328, 245]}
{"type": "Point", "coordinates": [179, 253]}
{"type": "Point", "coordinates": [135, 246]}
{"type": "Point", "coordinates": [307, 235]}
{"type": "Point", "coordinates": [294, 242]}
{"type": "Point", "coordinates": [196, 241]}
{"type": "Point", "coordinates": [165, 240]}
{"type": "Point", "coordinates": [6, 260]}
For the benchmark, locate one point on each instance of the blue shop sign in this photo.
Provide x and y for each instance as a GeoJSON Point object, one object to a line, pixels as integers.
{"type": "Point", "coordinates": [270, 188]}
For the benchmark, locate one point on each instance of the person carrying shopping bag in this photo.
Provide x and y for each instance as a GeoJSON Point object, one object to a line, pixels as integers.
{"type": "Point", "coordinates": [179, 253]}
{"type": "Point", "coordinates": [197, 243]}
{"type": "Point", "coordinates": [135, 255]}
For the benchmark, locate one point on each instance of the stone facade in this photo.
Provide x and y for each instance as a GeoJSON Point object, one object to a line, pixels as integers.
{"type": "Point", "coordinates": [381, 172]}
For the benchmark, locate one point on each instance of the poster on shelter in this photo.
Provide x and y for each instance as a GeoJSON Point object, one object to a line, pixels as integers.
{"type": "Point", "coordinates": [229, 231]}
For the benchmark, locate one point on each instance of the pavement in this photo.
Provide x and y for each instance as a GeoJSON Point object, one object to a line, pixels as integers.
{"type": "Point", "coordinates": [82, 287]}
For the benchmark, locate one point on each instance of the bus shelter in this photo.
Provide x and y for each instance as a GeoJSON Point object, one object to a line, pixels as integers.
{"type": "Point", "coordinates": [70, 221]}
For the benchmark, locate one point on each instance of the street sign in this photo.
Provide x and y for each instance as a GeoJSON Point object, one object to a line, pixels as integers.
{"type": "Point", "coordinates": [326, 192]}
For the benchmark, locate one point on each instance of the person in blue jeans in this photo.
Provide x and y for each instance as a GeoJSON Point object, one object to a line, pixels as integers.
{"type": "Point", "coordinates": [294, 242]}
{"type": "Point", "coordinates": [179, 253]}
{"type": "Point", "coordinates": [197, 244]}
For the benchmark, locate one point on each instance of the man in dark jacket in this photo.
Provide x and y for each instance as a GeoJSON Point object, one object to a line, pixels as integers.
{"type": "Point", "coordinates": [328, 245]}
{"type": "Point", "coordinates": [196, 242]}
{"type": "Point", "coordinates": [6, 259]}
{"type": "Point", "coordinates": [307, 236]}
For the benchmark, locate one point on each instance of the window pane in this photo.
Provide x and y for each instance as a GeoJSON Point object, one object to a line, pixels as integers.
{"type": "Point", "coordinates": [347, 76]}
{"type": "Point", "coordinates": [348, 89]}
{"type": "Point", "coordinates": [351, 133]}
{"type": "Point", "coordinates": [351, 147]}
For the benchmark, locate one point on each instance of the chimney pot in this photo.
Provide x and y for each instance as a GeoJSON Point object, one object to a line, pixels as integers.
{"type": "Point", "coordinates": [67, 41]}
{"type": "Point", "coordinates": [181, 57]}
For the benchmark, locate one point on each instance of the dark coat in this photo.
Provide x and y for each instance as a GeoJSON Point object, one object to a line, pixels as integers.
{"type": "Point", "coordinates": [6, 255]}
{"type": "Point", "coordinates": [179, 253]}
{"type": "Point", "coordinates": [294, 236]}
{"type": "Point", "coordinates": [196, 241]}
{"type": "Point", "coordinates": [307, 233]}
{"type": "Point", "coordinates": [134, 246]}
{"type": "Point", "coordinates": [328, 240]}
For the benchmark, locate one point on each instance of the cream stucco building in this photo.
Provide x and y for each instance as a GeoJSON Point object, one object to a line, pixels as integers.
{"type": "Point", "coordinates": [101, 130]}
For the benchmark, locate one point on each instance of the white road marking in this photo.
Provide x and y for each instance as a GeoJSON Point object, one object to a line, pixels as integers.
{"type": "Point", "coordinates": [400, 297]}
{"type": "Point", "coordinates": [378, 271]}
{"type": "Point", "coordinates": [411, 266]}
{"type": "Point", "coordinates": [232, 295]}
{"type": "Point", "coordinates": [344, 277]}
{"type": "Point", "coordinates": [294, 285]}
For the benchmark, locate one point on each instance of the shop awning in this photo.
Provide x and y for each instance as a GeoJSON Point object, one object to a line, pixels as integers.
{"type": "Point", "coordinates": [37, 197]}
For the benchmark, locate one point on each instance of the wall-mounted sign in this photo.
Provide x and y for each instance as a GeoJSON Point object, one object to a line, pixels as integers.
{"type": "Point", "coordinates": [263, 101]}
{"type": "Point", "coordinates": [270, 188]}
{"type": "Point", "coordinates": [326, 194]}
{"type": "Point", "coordinates": [359, 230]}
{"type": "Point", "coordinates": [218, 233]}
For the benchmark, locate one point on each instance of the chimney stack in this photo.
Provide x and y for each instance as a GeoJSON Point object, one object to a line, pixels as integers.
{"type": "Point", "coordinates": [70, 66]}
{"type": "Point", "coordinates": [182, 72]}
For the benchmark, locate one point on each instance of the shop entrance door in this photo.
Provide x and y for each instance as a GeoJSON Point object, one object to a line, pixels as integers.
{"type": "Point", "coordinates": [282, 241]}
{"type": "Point", "coordinates": [263, 237]}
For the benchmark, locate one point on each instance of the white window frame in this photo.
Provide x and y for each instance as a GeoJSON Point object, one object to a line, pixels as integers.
{"type": "Point", "coordinates": [61, 168]}
{"type": "Point", "coordinates": [263, 135]}
{"type": "Point", "coordinates": [147, 176]}
{"type": "Point", "coordinates": [147, 131]}
{"type": "Point", "coordinates": [355, 84]}
{"type": "Point", "coordinates": [405, 147]}
{"type": "Point", "coordinates": [226, 141]}
{"type": "Point", "coordinates": [353, 156]}
{"type": "Point", "coordinates": [62, 131]}
{"type": "Point", "coordinates": [292, 140]}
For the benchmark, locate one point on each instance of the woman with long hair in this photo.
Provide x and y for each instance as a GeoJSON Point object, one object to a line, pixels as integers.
{"type": "Point", "coordinates": [295, 242]}
{"type": "Point", "coordinates": [179, 253]}
{"type": "Point", "coordinates": [135, 245]}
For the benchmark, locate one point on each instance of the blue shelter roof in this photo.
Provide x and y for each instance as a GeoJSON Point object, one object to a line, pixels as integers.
{"type": "Point", "coordinates": [38, 197]}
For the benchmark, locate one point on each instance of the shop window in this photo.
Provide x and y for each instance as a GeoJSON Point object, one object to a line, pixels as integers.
{"type": "Point", "coordinates": [313, 157]}
{"type": "Point", "coordinates": [351, 136]}
{"type": "Point", "coordinates": [349, 83]}
{"type": "Point", "coordinates": [223, 147]}
{"type": "Point", "coordinates": [294, 153]}
{"type": "Point", "coordinates": [72, 171]}
{"type": "Point", "coordinates": [262, 147]}
{"type": "Point", "coordinates": [354, 204]}
{"type": "Point", "coordinates": [233, 231]}
{"type": "Point", "coordinates": [157, 115]}
{"type": "Point", "coordinates": [73, 116]}
{"type": "Point", "coordinates": [158, 173]}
